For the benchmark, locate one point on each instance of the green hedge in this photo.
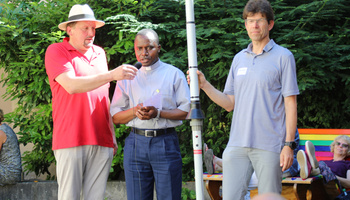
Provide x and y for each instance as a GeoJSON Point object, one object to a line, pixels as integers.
{"type": "Point", "coordinates": [317, 32]}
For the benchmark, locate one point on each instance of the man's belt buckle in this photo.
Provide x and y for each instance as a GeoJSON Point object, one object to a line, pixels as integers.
{"type": "Point", "coordinates": [150, 133]}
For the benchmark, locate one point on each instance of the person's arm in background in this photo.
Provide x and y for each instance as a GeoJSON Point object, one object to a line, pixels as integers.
{"type": "Point", "coordinates": [286, 156]}
{"type": "Point", "coordinates": [115, 145]}
{"type": "Point", "coordinates": [345, 182]}
{"type": "Point", "coordinates": [3, 138]}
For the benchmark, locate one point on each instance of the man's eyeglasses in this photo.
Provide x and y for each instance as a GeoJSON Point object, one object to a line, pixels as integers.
{"type": "Point", "coordinates": [342, 145]}
{"type": "Point", "coordinates": [258, 21]}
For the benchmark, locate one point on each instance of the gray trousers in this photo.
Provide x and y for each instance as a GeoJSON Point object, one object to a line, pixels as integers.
{"type": "Point", "coordinates": [239, 163]}
{"type": "Point", "coordinates": [83, 170]}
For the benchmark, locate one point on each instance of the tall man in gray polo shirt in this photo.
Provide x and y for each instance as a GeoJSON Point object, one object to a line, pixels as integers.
{"type": "Point", "coordinates": [152, 104]}
{"type": "Point", "coordinates": [261, 89]}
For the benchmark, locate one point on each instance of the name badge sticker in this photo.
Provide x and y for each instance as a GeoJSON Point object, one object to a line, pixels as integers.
{"type": "Point", "coordinates": [242, 71]}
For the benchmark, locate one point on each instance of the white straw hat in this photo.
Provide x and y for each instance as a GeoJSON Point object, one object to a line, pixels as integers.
{"type": "Point", "coordinates": [81, 13]}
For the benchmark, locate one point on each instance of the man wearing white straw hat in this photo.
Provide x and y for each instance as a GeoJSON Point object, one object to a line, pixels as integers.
{"type": "Point", "coordinates": [83, 138]}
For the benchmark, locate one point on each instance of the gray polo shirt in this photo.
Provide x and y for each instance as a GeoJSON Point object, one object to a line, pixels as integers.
{"type": "Point", "coordinates": [161, 85]}
{"type": "Point", "coordinates": [259, 84]}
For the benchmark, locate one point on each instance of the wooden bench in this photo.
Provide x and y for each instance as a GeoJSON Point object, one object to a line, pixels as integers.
{"type": "Point", "coordinates": [294, 187]}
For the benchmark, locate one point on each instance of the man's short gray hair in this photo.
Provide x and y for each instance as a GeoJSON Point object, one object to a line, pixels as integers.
{"type": "Point", "coordinates": [147, 33]}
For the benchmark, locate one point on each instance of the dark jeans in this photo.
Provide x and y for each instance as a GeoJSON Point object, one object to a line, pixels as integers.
{"type": "Point", "coordinates": [149, 160]}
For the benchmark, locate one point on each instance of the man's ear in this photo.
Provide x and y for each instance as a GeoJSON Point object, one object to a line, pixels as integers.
{"type": "Point", "coordinates": [68, 30]}
{"type": "Point", "coordinates": [271, 24]}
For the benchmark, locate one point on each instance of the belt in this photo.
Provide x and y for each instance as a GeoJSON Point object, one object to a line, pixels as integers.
{"type": "Point", "coordinates": [153, 132]}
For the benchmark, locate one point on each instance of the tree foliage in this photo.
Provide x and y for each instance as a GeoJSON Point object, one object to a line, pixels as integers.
{"type": "Point", "coordinates": [316, 31]}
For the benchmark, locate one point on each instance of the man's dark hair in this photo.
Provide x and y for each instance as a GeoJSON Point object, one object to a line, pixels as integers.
{"type": "Point", "coordinates": [258, 6]}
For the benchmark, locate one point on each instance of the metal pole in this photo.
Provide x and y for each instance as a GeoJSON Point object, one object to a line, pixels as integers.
{"type": "Point", "coordinates": [195, 115]}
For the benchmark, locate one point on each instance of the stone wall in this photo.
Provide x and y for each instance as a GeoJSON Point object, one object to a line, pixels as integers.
{"type": "Point", "coordinates": [47, 190]}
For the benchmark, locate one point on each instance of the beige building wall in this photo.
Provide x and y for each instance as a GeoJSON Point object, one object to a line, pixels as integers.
{"type": "Point", "coordinates": [7, 107]}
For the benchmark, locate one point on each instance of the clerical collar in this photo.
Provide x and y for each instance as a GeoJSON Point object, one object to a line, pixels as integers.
{"type": "Point", "coordinates": [152, 67]}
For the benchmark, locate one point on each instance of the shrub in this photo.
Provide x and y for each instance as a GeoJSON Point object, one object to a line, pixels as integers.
{"type": "Point", "coordinates": [317, 32]}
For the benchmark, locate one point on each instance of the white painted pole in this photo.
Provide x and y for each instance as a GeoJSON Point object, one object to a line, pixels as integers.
{"type": "Point", "coordinates": [196, 115]}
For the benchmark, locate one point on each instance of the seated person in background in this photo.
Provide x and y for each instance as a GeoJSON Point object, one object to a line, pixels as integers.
{"type": "Point", "coordinates": [333, 171]}
{"type": "Point", "coordinates": [10, 155]}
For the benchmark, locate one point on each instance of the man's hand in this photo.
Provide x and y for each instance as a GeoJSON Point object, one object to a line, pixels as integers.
{"type": "Point", "coordinates": [286, 158]}
{"type": "Point", "coordinates": [124, 72]}
{"type": "Point", "coordinates": [147, 113]}
{"type": "Point", "coordinates": [201, 79]}
{"type": "Point", "coordinates": [115, 148]}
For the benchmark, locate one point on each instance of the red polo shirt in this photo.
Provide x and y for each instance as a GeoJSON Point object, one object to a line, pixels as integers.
{"type": "Point", "coordinates": [83, 118]}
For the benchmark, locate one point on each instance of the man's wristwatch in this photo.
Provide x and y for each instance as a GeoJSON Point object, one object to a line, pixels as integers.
{"type": "Point", "coordinates": [158, 114]}
{"type": "Point", "coordinates": [292, 144]}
